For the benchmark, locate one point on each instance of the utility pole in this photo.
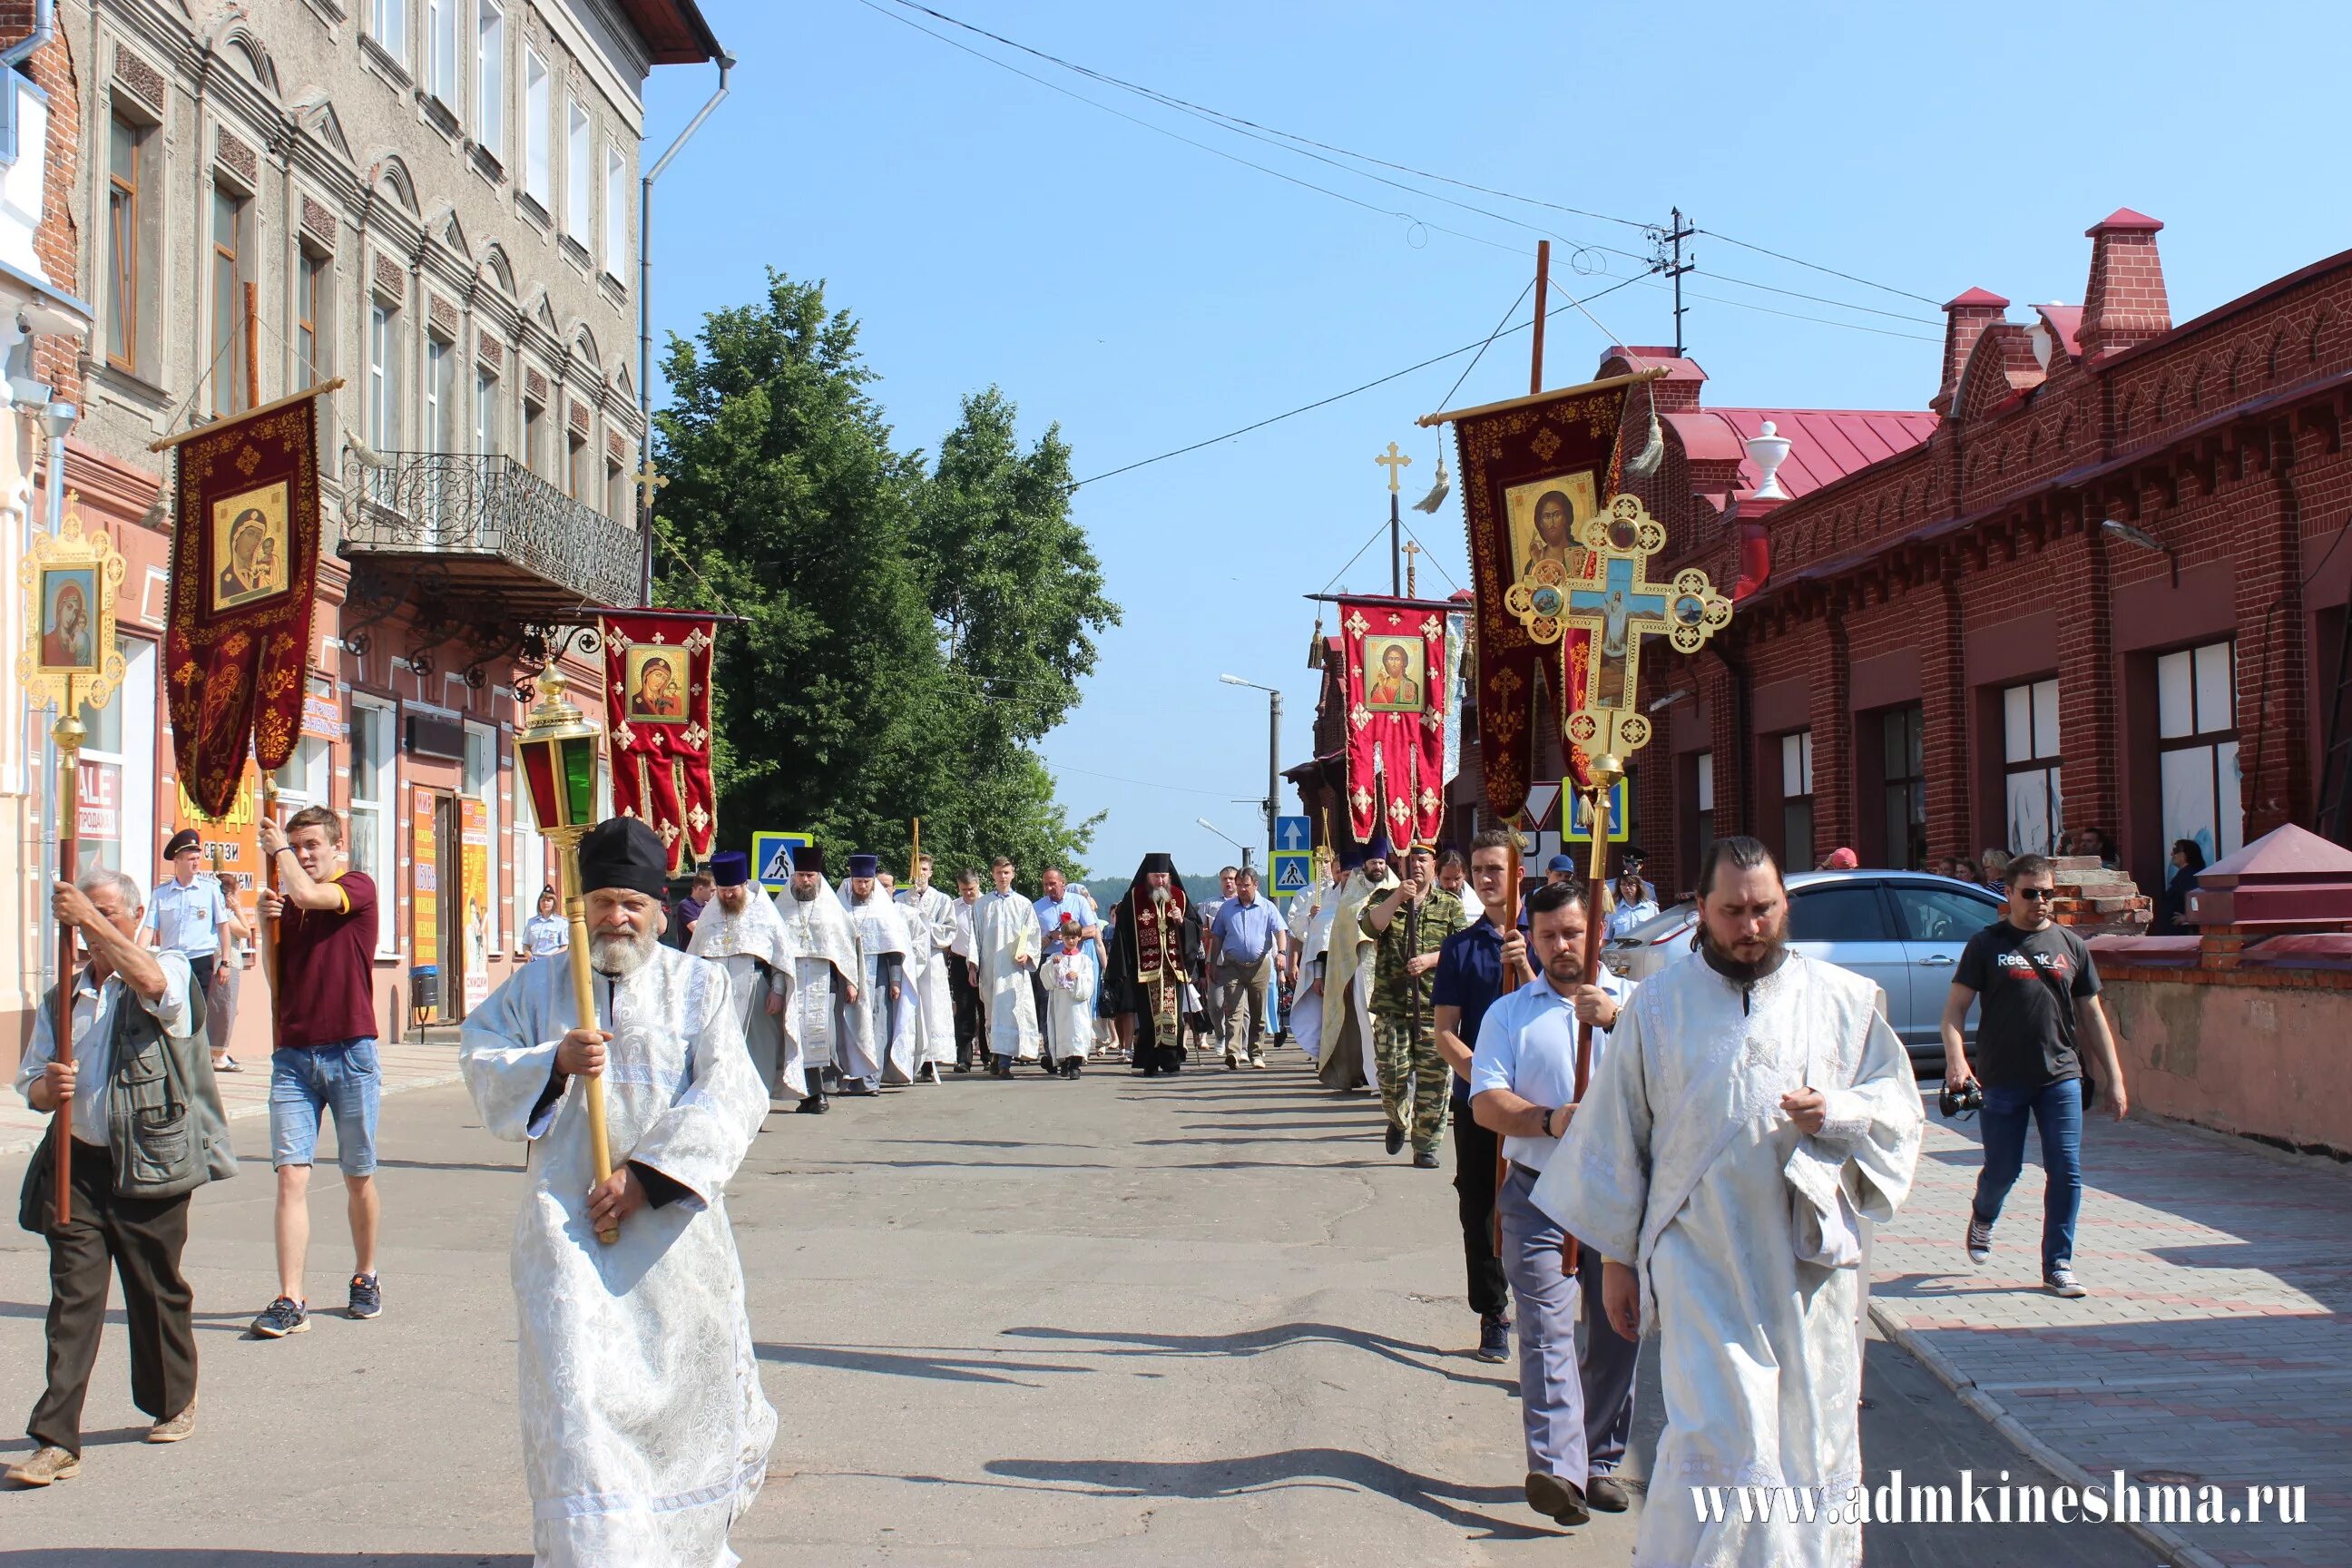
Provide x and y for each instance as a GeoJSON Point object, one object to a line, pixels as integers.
{"type": "Point", "coordinates": [1396, 462]}
{"type": "Point", "coordinates": [1673, 263]}
{"type": "Point", "coordinates": [1273, 769]}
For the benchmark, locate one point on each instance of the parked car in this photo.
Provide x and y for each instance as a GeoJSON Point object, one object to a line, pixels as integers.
{"type": "Point", "coordinates": [1903, 929]}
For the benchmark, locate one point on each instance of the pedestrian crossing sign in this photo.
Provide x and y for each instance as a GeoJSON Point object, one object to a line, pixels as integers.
{"type": "Point", "coordinates": [772, 857]}
{"type": "Point", "coordinates": [1294, 871]}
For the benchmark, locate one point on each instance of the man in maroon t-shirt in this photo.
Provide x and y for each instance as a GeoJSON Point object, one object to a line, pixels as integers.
{"type": "Point", "coordinates": [325, 1059]}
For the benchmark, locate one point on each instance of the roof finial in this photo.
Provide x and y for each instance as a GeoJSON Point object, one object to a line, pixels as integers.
{"type": "Point", "coordinates": [1768, 450]}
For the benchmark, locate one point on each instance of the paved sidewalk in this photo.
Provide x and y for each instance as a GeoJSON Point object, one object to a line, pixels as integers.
{"type": "Point", "coordinates": [2214, 1349]}
{"type": "Point", "coordinates": [422, 1061]}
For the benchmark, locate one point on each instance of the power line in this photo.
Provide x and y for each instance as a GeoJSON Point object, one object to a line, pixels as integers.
{"type": "Point", "coordinates": [1367, 386]}
{"type": "Point", "coordinates": [1817, 267]}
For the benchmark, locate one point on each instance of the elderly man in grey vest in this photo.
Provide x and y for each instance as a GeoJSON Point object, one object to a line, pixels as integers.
{"type": "Point", "coordinates": [147, 1132]}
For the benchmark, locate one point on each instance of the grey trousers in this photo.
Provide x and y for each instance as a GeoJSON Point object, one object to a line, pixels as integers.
{"type": "Point", "coordinates": [1241, 1005]}
{"type": "Point", "coordinates": [1578, 1408]}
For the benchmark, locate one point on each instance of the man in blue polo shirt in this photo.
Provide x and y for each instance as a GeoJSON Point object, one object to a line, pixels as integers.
{"type": "Point", "coordinates": [1469, 980]}
{"type": "Point", "coordinates": [1245, 944]}
{"type": "Point", "coordinates": [1578, 1410]}
{"type": "Point", "coordinates": [1059, 903]}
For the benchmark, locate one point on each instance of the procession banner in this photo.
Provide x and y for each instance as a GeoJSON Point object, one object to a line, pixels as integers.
{"type": "Point", "coordinates": [245, 560]}
{"type": "Point", "coordinates": [657, 667]}
{"type": "Point", "coordinates": [1396, 663]}
{"type": "Point", "coordinates": [1532, 468]}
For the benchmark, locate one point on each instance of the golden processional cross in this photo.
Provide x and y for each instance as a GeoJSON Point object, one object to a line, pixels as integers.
{"type": "Point", "coordinates": [1395, 462]}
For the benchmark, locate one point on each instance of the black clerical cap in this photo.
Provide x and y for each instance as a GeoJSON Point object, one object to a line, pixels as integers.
{"type": "Point", "coordinates": [865, 865]}
{"type": "Point", "coordinates": [808, 858]}
{"type": "Point", "coordinates": [623, 852]}
{"type": "Point", "coordinates": [1159, 862]}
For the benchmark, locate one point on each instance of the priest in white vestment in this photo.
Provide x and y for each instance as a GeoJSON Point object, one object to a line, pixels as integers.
{"type": "Point", "coordinates": [932, 923]}
{"type": "Point", "coordinates": [645, 1435]}
{"type": "Point", "coordinates": [1753, 1112]}
{"type": "Point", "coordinates": [740, 930]}
{"type": "Point", "coordinates": [1348, 1058]}
{"type": "Point", "coordinates": [825, 1030]}
{"type": "Point", "coordinates": [888, 960]}
{"type": "Point", "coordinates": [1006, 948]}
{"type": "Point", "coordinates": [1311, 930]}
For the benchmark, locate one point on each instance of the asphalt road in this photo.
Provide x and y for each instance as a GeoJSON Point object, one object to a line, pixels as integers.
{"type": "Point", "coordinates": [1200, 1320]}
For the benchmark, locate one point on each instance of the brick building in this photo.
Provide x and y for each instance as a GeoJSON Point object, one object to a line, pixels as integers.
{"type": "Point", "coordinates": [2097, 586]}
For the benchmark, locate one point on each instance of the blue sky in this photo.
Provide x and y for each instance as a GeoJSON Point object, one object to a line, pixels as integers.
{"type": "Point", "coordinates": [1146, 294]}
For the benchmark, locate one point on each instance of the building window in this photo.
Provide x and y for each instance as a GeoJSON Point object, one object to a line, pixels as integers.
{"type": "Point", "coordinates": [128, 274]}
{"type": "Point", "coordinates": [536, 126]}
{"type": "Point", "coordinates": [383, 377]}
{"type": "Point", "coordinates": [1797, 799]}
{"type": "Point", "coordinates": [534, 438]}
{"type": "Point", "coordinates": [579, 156]}
{"type": "Point", "coordinates": [374, 788]}
{"type": "Point", "coordinates": [2196, 746]}
{"type": "Point", "coordinates": [388, 26]}
{"type": "Point", "coordinates": [312, 311]}
{"type": "Point", "coordinates": [441, 50]}
{"type": "Point", "coordinates": [1703, 793]}
{"type": "Point", "coordinates": [580, 477]}
{"type": "Point", "coordinates": [486, 413]}
{"type": "Point", "coordinates": [1904, 788]}
{"type": "Point", "coordinates": [303, 780]}
{"type": "Point", "coordinates": [616, 210]}
{"type": "Point", "coordinates": [490, 79]}
{"type": "Point", "coordinates": [440, 393]}
{"type": "Point", "coordinates": [2036, 805]}
{"type": "Point", "coordinates": [616, 492]}
{"type": "Point", "coordinates": [231, 241]}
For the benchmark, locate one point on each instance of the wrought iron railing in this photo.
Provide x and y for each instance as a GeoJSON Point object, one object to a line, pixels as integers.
{"type": "Point", "coordinates": [454, 503]}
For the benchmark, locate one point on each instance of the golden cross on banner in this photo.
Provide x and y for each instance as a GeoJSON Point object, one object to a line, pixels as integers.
{"type": "Point", "coordinates": [1396, 463]}
{"type": "Point", "coordinates": [1412, 550]}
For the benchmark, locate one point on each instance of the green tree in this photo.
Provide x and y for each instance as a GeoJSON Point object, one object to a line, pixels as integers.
{"type": "Point", "coordinates": [863, 687]}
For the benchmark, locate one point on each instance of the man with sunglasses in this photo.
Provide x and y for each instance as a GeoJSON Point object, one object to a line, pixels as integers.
{"type": "Point", "coordinates": [2041, 994]}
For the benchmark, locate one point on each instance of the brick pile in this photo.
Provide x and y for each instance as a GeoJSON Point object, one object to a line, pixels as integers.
{"type": "Point", "coordinates": [2097, 901]}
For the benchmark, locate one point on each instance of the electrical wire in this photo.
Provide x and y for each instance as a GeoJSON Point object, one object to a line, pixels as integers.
{"type": "Point", "coordinates": [1504, 320]}
{"type": "Point", "coordinates": [1817, 267]}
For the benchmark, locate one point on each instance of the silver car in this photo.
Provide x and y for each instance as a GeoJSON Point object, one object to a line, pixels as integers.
{"type": "Point", "coordinates": [1903, 929]}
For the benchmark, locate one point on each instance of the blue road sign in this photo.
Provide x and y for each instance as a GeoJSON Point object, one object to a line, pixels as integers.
{"type": "Point", "coordinates": [1292, 833]}
{"type": "Point", "coordinates": [1294, 869]}
{"type": "Point", "coordinates": [772, 857]}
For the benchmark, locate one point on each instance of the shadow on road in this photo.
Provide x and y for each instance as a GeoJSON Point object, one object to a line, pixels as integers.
{"type": "Point", "coordinates": [1258, 1341]}
{"type": "Point", "coordinates": [911, 1362]}
{"type": "Point", "coordinates": [1338, 1467]}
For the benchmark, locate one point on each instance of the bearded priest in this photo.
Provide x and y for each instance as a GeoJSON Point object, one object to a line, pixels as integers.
{"type": "Point", "coordinates": [741, 930]}
{"type": "Point", "coordinates": [1752, 1111]}
{"type": "Point", "coordinates": [1348, 1060]}
{"type": "Point", "coordinates": [825, 1028]}
{"type": "Point", "coordinates": [645, 1435]}
{"type": "Point", "coordinates": [887, 950]}
{"type": "Point", "coordinates": [932, 922]}
{"type": "Point", "coordinates": [1155, 948]}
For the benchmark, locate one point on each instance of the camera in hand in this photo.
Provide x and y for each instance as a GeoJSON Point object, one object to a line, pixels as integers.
{"type": "Point", "coordinates": [1962, 1100]}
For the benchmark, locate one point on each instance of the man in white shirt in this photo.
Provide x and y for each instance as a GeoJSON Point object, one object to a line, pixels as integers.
{"type": "Point", "coordinates": [1578, 1409]}
{"type": "Point", "coordinates": [189, 915]}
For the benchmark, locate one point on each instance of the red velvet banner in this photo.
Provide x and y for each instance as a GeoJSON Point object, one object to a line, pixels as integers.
{"type": "Point", "coordinates": [1395, 651]}
{"type": "Point", "coordinates": [245, 561]}
{"type": "Point", "coordinates": [1531, 469]}
{"type": "Point", "coordinates": [657, 689]}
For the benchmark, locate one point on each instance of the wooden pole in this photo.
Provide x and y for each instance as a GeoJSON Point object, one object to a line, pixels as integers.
{"type": "Point", "coordinates": [1605, 774]}
{"type": "Point", "coordinates": [265, 935]}
{"type": "Point", "coordinates": [1513, 976]}
{"type": "Point", "coordinates": [584, 1003]}
{"type": "Point", "coordinates": [915, 855]}
{"type": "Point", "coordinates": [68, 735]}
{"type": "Point", "coordinates": [253, 345]}
{"type": "Point", "coordinates": [1543, 290]}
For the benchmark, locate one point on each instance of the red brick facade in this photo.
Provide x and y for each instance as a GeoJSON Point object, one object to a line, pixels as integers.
{"type": "Point", "coordinates": [56, 361]}
{"type": "Point", "coordinates": [1977, 561]}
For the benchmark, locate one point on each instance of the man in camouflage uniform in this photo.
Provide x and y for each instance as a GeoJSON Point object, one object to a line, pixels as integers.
{"type": "Point", "coordinates": [1408, 926]}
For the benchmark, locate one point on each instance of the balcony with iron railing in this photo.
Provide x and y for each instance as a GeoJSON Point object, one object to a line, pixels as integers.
{"type": "Point", "coordinates": [483, 530]}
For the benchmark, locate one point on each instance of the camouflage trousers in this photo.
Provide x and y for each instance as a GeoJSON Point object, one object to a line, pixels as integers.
{"type": "Point", "coordinates": [1411, 1070]}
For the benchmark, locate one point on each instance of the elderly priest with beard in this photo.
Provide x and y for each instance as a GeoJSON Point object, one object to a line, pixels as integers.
{"type": "Point", "coordinates": [1155, 948]}
{"type": "Point", "coordinates": [1752, 1110]}
{"type": "Point", "coordinates": [645, 1432]}
{"type": "Point", "coordinates": [740, 930]}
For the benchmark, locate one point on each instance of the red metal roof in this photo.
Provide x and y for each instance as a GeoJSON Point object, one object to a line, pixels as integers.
{"type": "Point", "coordinates": [1825, 444]}
{"type": "Point", "coordinates": [1977, 297]}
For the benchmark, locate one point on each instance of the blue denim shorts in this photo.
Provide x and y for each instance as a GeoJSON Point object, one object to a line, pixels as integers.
{"type": "Point", "coordinates": [305, 1083]}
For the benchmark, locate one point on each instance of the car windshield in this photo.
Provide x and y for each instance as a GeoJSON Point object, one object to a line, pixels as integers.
{"type": "Point", "coordinates": [1664, 923]}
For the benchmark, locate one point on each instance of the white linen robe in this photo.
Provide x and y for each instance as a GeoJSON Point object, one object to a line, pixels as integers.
{"type": "Point", "coordinates": [894, 1026]}
{"type": "Point", "coordinates": [1005, 931]}
{"type": "Point", "coordinates": [930, 919]}
{"type": "Point", "coordinates": [823, 1027]}
{"type": "Point", "coordinates": [1679, 1162]}
{"type": "Point", "coordinates": [644, 1431]}
{"type": "Point", "coordinates": [761, 962]}
{"type": "Point", "coordinates": [1310, 928]}
{"type": "Point", "coordinates": [1347, 986]}
{"type": "Point", "coordinates": [1070, 1002]}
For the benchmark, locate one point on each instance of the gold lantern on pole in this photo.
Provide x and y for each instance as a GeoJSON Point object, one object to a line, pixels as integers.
{"type": "Point", "coordinates": [557, 750]}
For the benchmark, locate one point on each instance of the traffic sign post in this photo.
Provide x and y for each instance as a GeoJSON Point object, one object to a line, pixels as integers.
{"type": "Point", "coordinates": [1294, 869]}
{"type": "Point", "coordinates": [1292, 833]}
{"type": "Point", "coordinates": [772, 857]}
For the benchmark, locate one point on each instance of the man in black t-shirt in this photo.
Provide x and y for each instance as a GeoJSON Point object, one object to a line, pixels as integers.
{"type": "Point", "coordinates": [2041, 996]}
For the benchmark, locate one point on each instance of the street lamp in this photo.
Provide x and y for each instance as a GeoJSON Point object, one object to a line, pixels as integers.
{"type": "Point", "coordinates": [1226, 836]}
{"type": "Point", "coordinates": [1273, 749]}
{"type": "Point", "coordinates": [557, 749]}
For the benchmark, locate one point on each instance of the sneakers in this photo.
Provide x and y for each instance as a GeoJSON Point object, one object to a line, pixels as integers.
{"type": "Point", "coordinates": [1258, 1058]}
{"type": "Point", "coordinates": [1396, 1139]}
{"type": "Point", "coordinates": [1494, 1338]}
{"type": "Point", "coordinates": [173, 1428]}
{"type": "Point", "coordinates": [367, 1298]}
{"type": "Point", "coordinates": [282, 1317]}
{"type": "Point", "coordinates": [2061, 1282]}
{"type": "Point", "coordinates": [1980, 1240]}
{"type": "Point", "coordinates": [45, 1464]}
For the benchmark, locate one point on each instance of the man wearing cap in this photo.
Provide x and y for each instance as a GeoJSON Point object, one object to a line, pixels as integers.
{"type": "Point", "coordinates": [1560, 868]}
{"type": "Point", "coordinates": [645, 1432]}
{"type": "Point", "coordinates": [1410, 926]}
{"type": "Point", "coordinates": [824, 1025]}
{"type": "Point", "coordinates": [740, 931]}
{"type": "Point", "coordinates": [887, 956]}
{"type": "Point", "coordinates": [187, 916]}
